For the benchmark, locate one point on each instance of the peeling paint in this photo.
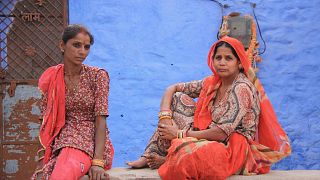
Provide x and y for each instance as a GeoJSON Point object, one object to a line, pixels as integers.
{"type": "Point", "coordinates": [11, 166]}
{"type": "Point", "coordinates": [33, 130]}
{"type": "Point", "coordinates": [22, 93]}
{"type": "Point", "coordinates": [36, 158]}
{"type": "Point", "coordinates": [16, 151]}
{"type": "Point", "coordinates": [11, 134]}
{"type": "Point", "coordinates": [35, 109]}
{"type": "Point", "coordinates": [21, 124]}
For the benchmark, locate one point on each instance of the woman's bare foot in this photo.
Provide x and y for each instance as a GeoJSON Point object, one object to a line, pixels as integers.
{"type": "Point", "coordinates": [154, 161]}
{"type": "Point", "coordinates": [140, 163]}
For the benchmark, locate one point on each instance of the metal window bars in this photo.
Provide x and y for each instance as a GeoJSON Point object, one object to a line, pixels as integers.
{"type": "Point", "coordinates": [29, 37]}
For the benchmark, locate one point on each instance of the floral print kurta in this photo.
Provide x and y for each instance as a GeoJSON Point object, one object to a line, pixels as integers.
{"type": "Point", "coordinates": [88, 99]}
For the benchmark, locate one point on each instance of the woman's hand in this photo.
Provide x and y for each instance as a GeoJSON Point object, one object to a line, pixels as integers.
{"type": "Point", "coordinates": [168, 132]}
{"type": "Point", "coordinates": [97, 173]}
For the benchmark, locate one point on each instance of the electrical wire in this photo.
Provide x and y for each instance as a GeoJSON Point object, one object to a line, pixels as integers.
{"type": "Point", "coordinates": [253, 5]}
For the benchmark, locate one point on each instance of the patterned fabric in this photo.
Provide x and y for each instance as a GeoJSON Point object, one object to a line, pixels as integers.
{"type": "Point", "coordinates": [87, 100]}
{"type": "Point", "coordinates": [192, 89]}
{"type": "Point", "coordinates": [82, 105]}
{"type": "Point", "coordinates": [191, 158]}
{"type": "Point", "coordinates": [239, 109]}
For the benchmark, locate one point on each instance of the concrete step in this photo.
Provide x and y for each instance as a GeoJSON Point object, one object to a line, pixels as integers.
{"type": "Point", "coordinates": [146, 173]}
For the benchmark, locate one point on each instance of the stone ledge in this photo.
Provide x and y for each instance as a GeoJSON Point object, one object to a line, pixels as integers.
{"type": "Point", "coordinates": [127, 173]}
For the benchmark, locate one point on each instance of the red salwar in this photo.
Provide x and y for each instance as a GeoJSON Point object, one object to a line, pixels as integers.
{"type": "Point", "coordinates": [70, 164]}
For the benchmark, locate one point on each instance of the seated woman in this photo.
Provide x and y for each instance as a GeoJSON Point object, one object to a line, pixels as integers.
{"type": "Point", "coordinates": [232, 129]}
{"type": "Point", "coordinates": [74, 106]}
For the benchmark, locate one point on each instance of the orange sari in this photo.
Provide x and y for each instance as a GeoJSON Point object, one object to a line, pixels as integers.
{"type": "Point", "coordinates": [202, 159]}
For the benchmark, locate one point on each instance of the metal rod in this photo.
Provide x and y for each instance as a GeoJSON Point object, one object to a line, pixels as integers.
{"type": "Point", "coordinates": [7, 15]}
{"type": "Point", "coordinates": [2, 87]}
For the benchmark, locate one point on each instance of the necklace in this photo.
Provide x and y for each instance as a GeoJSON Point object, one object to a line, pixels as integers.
{"type": "Point", "coordinates": [70, 83]}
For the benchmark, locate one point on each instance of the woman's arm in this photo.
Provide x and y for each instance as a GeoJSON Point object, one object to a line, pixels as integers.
{"type": "Point", "coordinates": [97, 171]}
{"type": "Point", "coordinates": [167, 97]}
{"type": "Point", "coordinates": [101, 112]}
{"type": "Point", "coordinates": [192, 89]}
{"type": "Point", "coordinates": [212, 134]}
{"type": "Point", "coordinates": [100, 136]}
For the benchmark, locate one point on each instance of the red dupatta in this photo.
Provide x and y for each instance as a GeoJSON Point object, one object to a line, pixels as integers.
{"type": "Point", "coordinates": [271, 143]}
{"type": "Point", "coordinates": [51, 84]}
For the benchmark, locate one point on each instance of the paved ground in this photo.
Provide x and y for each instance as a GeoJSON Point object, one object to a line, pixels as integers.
{"type": "Point", "coordinates": [142, 174]}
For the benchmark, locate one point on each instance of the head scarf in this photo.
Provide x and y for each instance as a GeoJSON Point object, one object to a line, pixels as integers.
{"type": "Point", "coordinates": [51, 84]}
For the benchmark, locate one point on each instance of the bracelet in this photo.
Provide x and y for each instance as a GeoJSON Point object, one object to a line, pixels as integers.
{"type": "Point", "coordinates": [165, 113]}
{"type": "Point", "coordinates": [180, 134]}
{"type": "Point", "coordinates": [97, 162]}
{"type": "Point", "coordinates": [164, 117]}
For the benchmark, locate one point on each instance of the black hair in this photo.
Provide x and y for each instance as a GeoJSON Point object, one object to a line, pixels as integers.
{"type": "Point", "coordinates": [72, 30]}
{"type": "Point", "coordinates": [223, 43]}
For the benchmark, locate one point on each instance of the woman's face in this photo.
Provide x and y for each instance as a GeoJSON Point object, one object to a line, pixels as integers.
{"type": "Point", "coordinates": [76, 49]}
{"type": "Point", "coordinates": [225, 62]}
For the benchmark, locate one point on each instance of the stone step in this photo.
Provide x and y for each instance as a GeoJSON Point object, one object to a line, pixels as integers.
{"type": "Point", "coordinates": [146, 173]}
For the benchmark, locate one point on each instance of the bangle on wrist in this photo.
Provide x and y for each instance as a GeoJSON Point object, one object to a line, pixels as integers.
{"type": "Point", "coordinates": [98, 162]}
{"type": "Point", "coordinates": [165, 113]}
{"type": "Point", "coordinates": [164, 117]}
{"type": "Point", "coordinates": [180, 134]}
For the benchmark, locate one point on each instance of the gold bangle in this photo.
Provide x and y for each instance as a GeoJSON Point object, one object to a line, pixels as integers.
{"type": "Point", "coordinates": [164, 117]}
{"type": "Point", "coordinates": [180, 134]}
{"type": "Point", "coordinates": [165, 113]}
{"type": "Point", "coordinates": [98, 162]}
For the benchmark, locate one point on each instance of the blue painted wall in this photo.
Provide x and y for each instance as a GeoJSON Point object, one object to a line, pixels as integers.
{"type": "Point", "coordinates": [147, 45]}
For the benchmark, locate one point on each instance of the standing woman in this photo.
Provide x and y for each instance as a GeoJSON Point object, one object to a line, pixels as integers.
{"type": "Point", "coordinates": [74, 107]}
